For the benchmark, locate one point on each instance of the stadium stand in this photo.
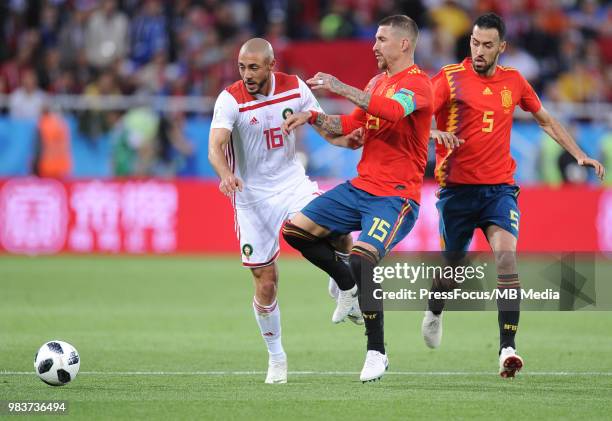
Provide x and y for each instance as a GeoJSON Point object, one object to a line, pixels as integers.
{"type": "Point", "coordinates": [94, 61]}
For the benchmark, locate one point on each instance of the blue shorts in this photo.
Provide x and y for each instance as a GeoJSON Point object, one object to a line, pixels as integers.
{"type": "Point", "coordinates": [383, 220]}
{"type": "Point", "coordinates": [462, 209]}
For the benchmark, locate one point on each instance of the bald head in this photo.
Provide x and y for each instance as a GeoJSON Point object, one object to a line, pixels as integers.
{"type": "Point", "coordinates": [258, 47]}
{"type": "Point", "coordinates": [255, 63]}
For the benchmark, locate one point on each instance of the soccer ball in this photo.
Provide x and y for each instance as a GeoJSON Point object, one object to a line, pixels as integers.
{"type": "Point", "coordinates": [57, 363]}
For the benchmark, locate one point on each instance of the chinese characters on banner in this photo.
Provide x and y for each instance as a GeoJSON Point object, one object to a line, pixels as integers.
{"type": "Point", "coordinates": [42, 216]}
{"type": "Point", "coordinates": [33, 216]}
{"type": "Point", "coordinates": [133, 216]}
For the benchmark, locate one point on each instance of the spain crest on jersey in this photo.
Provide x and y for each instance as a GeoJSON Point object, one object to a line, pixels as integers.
{"type": "Point", "coordinates": [372, 122]}
{"type": "Point", "coordinates": [506, 97]}
{"type": "Point", "coordinates": [390, 92]}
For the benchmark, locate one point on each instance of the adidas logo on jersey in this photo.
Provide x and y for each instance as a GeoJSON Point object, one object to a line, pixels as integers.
{"type": "Point", "coordinates": [487, 91]}
{"type": "Point", "coordinates": [253, 121]}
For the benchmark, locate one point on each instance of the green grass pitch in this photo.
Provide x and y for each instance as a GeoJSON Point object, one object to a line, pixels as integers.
{"type": "Point", "coordinates": [175, 338]}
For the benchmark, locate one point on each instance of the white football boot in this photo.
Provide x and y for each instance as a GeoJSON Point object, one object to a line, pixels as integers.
{"type": "Point", "coordinates": [374, 367]}
{"type": "Point", "coordinates": [431, 329]}
{"type": "Point", "coordinates": [354, 315]}
{"type": "Point", "coordinates": [347, 301]}
{"type": "Point", "coordinates": [509, 362]}
{"type": "Point", "coordinates": [277, 371]}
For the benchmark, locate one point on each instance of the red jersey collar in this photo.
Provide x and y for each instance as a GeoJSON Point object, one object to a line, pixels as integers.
{"type": "Point", "coordinates": [401, 74]}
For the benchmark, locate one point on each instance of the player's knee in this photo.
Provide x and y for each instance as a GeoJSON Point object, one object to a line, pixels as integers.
{"type": "Point", "coordinates": [265, 292]}
{"type": "Point", "coordinates": [505, 261]}
{"type": "Point", "coordinates": [296, 237]}
{"type": "Point", "coordinates": [342, 243]}
{"type": "Point", "coordinates": [265, 284]}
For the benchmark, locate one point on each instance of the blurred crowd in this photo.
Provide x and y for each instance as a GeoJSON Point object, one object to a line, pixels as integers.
{"type": "Point", "coordinates": [189, 47]}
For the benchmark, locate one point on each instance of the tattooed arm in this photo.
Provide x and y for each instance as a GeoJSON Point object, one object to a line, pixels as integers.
{"type": "Point", "coordinates": [353, 140]}
{"type": "Point", "coordinates": [332, 84]}
{"type": "Point", "coordinates": [329, 127]}
{"type": "Point", "coordinates": [332, 124]}
{"type": "Point", "coordinates": [335, 125]}
{"type": "Point", "coordinates": [391, 109]}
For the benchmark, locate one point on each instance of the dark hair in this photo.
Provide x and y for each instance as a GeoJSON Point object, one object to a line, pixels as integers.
{"type": "Point", "coordinates": [492, 21]}
{"type": "Point", "coordinates": [403, 22]}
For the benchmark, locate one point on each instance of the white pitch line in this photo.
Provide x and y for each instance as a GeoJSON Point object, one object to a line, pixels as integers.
{"type": "Point", "coordinates": [316, 373]}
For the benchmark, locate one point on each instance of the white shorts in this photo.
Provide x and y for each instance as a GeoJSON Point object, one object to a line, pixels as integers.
{"type": "Point", "coordinates": [259, 226]}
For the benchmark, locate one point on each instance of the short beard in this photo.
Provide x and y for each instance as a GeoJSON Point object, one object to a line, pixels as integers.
{"type": "Point", "coordinates": [484, 70]}
{"type": "Point", "coordinates": [383, 65]}
{"type": "Point", "coordinates": [259, 86]}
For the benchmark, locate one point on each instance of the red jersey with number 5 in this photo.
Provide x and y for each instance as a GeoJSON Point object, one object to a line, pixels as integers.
{"type": "Point", "coordinates": [479, 110]}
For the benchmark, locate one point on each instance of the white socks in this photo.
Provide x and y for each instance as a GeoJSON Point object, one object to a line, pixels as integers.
{"type": "Point", "coordinates": [268, 319]}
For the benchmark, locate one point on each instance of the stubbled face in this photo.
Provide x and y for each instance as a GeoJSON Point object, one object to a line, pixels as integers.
{"type": "Point", "coordinates": [486, 47]}
{"type": "Point", "coordinates": [388, 47]}
{"type": "Point", "coordinates": [255, 72]}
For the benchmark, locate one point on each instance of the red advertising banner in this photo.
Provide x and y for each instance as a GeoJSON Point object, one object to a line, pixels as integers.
{"type": "Point", "coordinates": [299, 60]}
{"type": "Point", "coordinates": [42, 216]}
{"type": "Point", "coordinates": [132, 216]}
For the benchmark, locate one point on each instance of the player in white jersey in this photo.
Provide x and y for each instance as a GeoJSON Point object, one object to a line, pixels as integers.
{"type": "Point", "coordinates": [259, 170]}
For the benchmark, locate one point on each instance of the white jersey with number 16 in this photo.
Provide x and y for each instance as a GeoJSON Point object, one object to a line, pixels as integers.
{"type": "Point", "coordinates": [259, 153]}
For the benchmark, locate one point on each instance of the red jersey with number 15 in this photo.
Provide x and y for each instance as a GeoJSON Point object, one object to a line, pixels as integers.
{"type": "Point", "coordinates": [479, 110]}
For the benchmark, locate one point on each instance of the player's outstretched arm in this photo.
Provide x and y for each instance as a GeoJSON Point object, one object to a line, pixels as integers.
{"type": "Point", "coordinates": [332, 84]}
{"type": "Point", "coordinates": [332, 124]}
{"type": "Point", "coordinates": [554, 129]}
{"type": "Point", "coordinates": [391, 109]}
{"type": "Point", "coordinates": [353, 140]}
{"type": "Point", "coordinates": [217, 143]}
